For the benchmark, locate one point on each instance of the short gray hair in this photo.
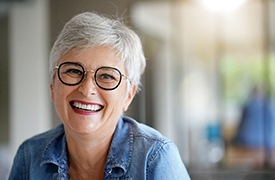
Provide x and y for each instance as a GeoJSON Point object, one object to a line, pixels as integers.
{"type": "Point", "coordinates": [90, 30]}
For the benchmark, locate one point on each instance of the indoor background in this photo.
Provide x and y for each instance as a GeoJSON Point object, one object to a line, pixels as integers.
{"type": "Point", "coordinates": [205, 59]}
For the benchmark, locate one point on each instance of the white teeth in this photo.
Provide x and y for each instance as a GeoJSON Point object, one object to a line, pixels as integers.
{"type": "Point", "coordinates": [88, 107]}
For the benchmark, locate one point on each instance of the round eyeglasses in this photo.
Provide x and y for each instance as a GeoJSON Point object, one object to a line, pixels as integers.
{"type": "Point", "coordinates": [72, 73]}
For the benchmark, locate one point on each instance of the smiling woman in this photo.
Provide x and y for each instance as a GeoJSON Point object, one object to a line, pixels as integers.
{"type": "Point", "coordinates": [96, 64]}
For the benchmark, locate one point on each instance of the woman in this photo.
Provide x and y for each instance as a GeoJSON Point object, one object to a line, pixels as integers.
{"type": "Point", "coordinates": [95, 67]}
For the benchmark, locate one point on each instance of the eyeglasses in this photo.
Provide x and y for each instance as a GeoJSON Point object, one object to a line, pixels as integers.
{"type": "Point", "coordinates": [71, 74]}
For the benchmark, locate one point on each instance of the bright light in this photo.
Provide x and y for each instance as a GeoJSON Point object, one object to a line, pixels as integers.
{"type": "Point", "coordinates": [223, 5]}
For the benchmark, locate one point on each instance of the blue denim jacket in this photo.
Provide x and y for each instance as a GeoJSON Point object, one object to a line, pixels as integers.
{"type": "Point", "coordinates": [137, 152]}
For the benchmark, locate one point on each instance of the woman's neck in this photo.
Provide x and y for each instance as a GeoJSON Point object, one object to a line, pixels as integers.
{"type": "Point", "coordinates": [87, 155]}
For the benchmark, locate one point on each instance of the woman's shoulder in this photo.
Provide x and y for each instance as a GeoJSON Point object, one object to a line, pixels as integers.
{"type": "Point", "coordinates": [141, 130]}
{"type": "Point", "coordinates": [49, 133]}
{"type": "Point", "coordinates": [44, 138]}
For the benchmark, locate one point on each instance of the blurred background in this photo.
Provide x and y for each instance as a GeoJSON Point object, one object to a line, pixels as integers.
{"type": "Point", "coordinates": [208, 84]}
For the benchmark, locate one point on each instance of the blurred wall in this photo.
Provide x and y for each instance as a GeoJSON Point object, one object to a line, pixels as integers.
{"type": "Point", "coordinates": [28, 90]}
{"type": "Point", "coordinates": [4, 83]}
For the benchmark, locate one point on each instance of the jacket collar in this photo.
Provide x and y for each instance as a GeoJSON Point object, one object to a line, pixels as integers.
{"type": "Point", "coordinates": [55, 151]}
{"type": "Point", "coordinates": [120, 153]}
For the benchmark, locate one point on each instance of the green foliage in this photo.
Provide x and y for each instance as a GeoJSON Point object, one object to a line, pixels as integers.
{"type": "Point", "coordinates": [240, 74]}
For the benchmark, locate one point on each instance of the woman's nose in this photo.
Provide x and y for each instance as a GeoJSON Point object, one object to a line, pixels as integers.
{"type": "Point", "coordinates": [88, 86]}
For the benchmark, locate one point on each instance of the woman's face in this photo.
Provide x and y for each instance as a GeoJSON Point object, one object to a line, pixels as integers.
{"type": "Point", "coordinates": [97, 110]}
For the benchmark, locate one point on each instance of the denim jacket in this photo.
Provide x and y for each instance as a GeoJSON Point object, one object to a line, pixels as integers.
{"type": "Point", "coordinates": [137, 152]}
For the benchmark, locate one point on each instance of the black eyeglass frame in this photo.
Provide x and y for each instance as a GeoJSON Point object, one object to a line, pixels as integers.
{"type": "Point", "coordinates": [85, 72]}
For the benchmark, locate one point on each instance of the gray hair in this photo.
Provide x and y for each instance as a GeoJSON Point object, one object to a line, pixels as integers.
{"type": "Point", "coordinates": [89, 30]}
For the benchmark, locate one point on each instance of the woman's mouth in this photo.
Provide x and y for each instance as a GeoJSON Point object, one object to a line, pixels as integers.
{"type": "Point", "coordinates": [86, 106]}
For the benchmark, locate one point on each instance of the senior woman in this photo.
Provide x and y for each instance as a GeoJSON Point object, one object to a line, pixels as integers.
{"type": "Point", "coordinates": [95, 67]}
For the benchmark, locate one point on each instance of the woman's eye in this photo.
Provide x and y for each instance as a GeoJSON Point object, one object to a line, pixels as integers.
{"type": "Point", "coordinates": [74, 72]}
{"type": "Point", "coordinates": [106, 77]}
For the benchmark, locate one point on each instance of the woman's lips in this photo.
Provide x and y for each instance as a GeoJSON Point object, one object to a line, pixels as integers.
{"type": "Point", "coordinates": [84, 106]}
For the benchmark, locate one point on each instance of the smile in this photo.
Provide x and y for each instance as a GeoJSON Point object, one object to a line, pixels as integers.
{"type": "Point", "coordinates": [86, 107]}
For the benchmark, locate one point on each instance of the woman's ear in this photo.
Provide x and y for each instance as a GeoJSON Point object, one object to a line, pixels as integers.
{"type": "Point", "coordinates": [131, 94]}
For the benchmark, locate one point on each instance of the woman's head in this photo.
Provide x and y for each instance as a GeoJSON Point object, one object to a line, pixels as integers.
{"type": "Point", "coordinates": [92, 105]}
{"type": "Point", "coordinates": [91, 30]}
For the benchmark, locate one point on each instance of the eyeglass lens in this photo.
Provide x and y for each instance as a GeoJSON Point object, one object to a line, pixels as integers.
{"type": "Point", "coordinates": [71, 74]}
